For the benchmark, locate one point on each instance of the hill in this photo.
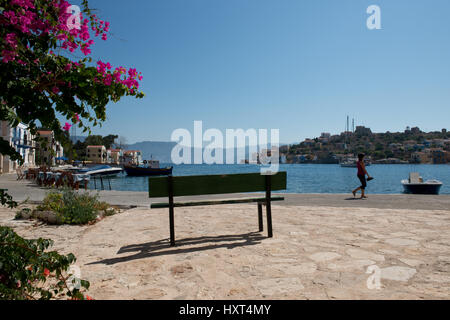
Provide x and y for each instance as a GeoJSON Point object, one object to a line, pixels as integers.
{"type": "Point", "coordinates": [158, 150]}
{"type": "Point", "coordinates": [412, 145]}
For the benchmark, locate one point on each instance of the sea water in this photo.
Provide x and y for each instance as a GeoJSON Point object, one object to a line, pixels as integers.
{"type": "Point", "coordinates": [307, 178]}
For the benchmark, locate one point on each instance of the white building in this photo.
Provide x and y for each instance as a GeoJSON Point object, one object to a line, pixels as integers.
{"type": "Point", "coordinates": [114, 156]}
{"type": "Point", "coordinates": [22, 140]}
{"type": "Point", "coordinates": [48, 152]}
{"type": "Point", "coordinates": [132, 157]}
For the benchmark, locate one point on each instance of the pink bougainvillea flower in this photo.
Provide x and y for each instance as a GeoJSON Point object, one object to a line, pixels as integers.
{"type": "Point", "coordinates": [108, 80]}
{"type": "Point", "coordinates": [67, 127]}
{"type": "Point", "coordinates": [26, 19]}
{"type": "Point", "coordinates": [11, 40]}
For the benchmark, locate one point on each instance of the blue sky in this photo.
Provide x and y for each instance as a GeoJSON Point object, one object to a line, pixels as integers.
{"type": "Point", "coordinates": [297, 66]}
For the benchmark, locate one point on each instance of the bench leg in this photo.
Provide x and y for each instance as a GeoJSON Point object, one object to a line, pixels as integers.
{"type": "Point", "coordinates": [269, 219]}
{"type": "Point", "coordinates": [172, 226]}
{"type": "Point", "coordinates": [171, 209]}
{"type": "Point", "coordinates": [268, 206]}
{"type": "Point", "coordinates": [260, 217]}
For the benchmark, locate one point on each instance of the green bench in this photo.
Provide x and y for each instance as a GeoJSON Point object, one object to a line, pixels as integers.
{"type": "Point", "coordinates": [170, 186]}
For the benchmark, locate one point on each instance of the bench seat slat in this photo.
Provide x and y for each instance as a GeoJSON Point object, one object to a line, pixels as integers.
{"type": "Point", "coordinates": [214, 202]}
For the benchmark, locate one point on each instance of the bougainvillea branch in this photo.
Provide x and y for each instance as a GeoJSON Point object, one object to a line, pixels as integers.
{"type": "Point", "coordinates": [29, 272]}
{"type": "Point", "coordinates": [40, 81]}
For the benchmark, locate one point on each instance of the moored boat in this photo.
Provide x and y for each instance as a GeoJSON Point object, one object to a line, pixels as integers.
{"type": "Point", "coordinates": [101, 171]}
{"type": "Point", "coordinates": [348, 164]}
{"type": "Point", "coordinates": [351, 163]}
{"type": "Point", "coordinates": [416, 185]}
{"type": "Point", "coordinates": [133, 170]}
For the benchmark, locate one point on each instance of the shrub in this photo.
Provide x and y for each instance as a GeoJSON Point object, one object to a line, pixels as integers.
{"type": "Point", "coordinates": [29, 272]}
{"type": "Point", "coordinates": [52, 202]}
{"type": "Point", "coordinates": [75, 208]}
{"type": "Point", "coordinates": [78, 208]}
{"type": "Point", "coordinates": [24, 213]}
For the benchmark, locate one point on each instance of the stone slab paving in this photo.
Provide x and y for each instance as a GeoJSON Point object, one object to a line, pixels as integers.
{"type": "Point", "coordinates": [316, 253]}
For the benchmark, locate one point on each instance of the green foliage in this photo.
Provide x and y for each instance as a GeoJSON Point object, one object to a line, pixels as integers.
{"type": "Point", "coordinates": [23, 213]}
{"type": "Point", "coordinates": [108, 141]}
{"type": "Point", "coordinates": [75, 208]}
{"type": "Point", "coordinates": [79, 148]}
{"type": "Point", "coordinates": [6, 199]}
{"type": "Point", "coordinates": [27, 91]}
{"type": "Point", "coordinates": [52, 202]}
{"type": "Point", "coordinates": [29, 272]}
{"type": "Point", "coordinates": [7, 149]}
{"type": "Point", "coordinates": [379, 147]}
{"type": "Point", "coordinates": [379, 155]}
{"type": "Point", "coordinates": [78, 208]}
{"type": "Point", "coordinates": [376, 145]}
{"type": "Point", "coordinates": [389, 154]}
{"type": "Point", "coordinates": [94, 140]}
{"type": "Point", "coordinates": [105, 209]}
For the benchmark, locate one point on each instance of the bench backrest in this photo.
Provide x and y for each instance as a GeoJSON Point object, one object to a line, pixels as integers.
{"type": "Point", "coordinates": [214, 184]}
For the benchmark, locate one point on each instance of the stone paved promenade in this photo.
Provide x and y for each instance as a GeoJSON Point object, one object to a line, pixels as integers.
{"type": "Point", "coordinates": [319, 250]}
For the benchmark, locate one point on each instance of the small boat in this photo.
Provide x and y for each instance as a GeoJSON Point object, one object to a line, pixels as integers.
{"type": "Point", "coordinates": [348, 164]}
{"type": "Point", "coordinates": [133, 170]}
{"type": "Point", "coordinates": [416, 185]}
{"type": "Point", "coordinates": [101, 171]}
{"type": "Point", "coordinates": [351, 163]}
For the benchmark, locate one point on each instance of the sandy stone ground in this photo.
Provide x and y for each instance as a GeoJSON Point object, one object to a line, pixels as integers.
{"type": "Point", "coordinates": [316, 253]}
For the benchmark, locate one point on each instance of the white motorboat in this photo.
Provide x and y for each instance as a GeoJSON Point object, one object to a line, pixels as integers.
{"type": "Point", "coordinates": [416, 185]}
{"type": "Point", "coordinates": [351, 163]}
{"type": "Point", "coordinates": [101, 171]}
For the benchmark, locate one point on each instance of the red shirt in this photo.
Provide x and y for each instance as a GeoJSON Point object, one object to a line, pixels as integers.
{"type": "Point", "coordinates": [360, 169]}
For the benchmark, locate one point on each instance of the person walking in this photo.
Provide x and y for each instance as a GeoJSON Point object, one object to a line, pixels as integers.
{"type": "Point", "coordinates": [362, 172]}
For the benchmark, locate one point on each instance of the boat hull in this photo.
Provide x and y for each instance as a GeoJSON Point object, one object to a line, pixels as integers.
{"type": "Point", "coordinates": [101, 171]}
{"type": "Point", "coordinates": [352, 164]}
{"type": "Point", "coordinates": [348, 165]}
{"type": "Point", "coordinates": [139, 172]}
{"type": "Point", "coordinates": [422, 188]}
{"type": "Point", "coordinates": [111, 173]}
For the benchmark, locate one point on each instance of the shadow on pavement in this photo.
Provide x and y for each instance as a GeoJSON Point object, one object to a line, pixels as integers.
{"type": "Point", "coordinates": [162, 247]}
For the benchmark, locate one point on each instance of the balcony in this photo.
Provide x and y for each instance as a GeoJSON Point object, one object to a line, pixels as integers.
{"type": "Point", "coordinates": [23, 143]}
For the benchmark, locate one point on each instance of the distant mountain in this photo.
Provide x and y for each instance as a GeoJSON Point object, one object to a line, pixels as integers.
{"type": "Point", "coordinates": [159, 150]}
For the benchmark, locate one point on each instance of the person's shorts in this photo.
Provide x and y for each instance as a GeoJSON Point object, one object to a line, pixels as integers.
{"type": "Point", "coordinates": [362, 178]}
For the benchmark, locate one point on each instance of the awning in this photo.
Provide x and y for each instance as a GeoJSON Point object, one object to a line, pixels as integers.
{"type": "Point", "coordinates": [24, 146]}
